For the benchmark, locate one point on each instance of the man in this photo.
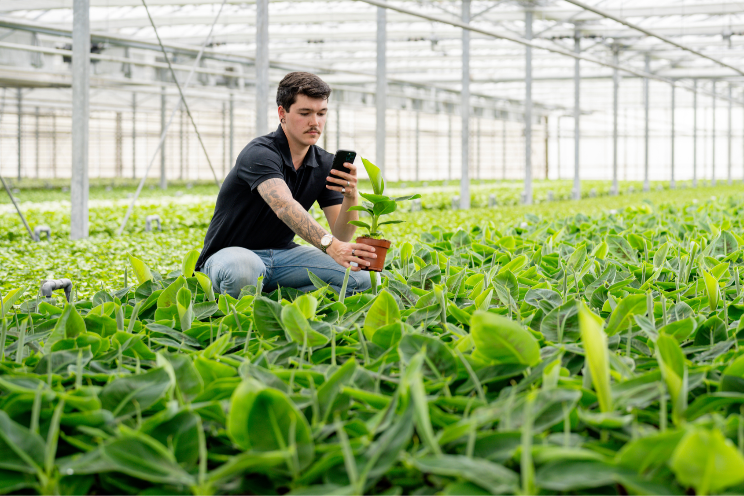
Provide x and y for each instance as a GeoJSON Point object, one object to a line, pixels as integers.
{"type": "Point", "coordinates": [265, 199]}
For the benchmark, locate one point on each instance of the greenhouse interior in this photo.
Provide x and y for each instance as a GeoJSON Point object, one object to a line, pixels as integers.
{"type": "Point", "coordinates": [384, 247]}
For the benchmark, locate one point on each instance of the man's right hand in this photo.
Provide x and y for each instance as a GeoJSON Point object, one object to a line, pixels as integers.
{"type": "Point", "coordinates": [345, 253]}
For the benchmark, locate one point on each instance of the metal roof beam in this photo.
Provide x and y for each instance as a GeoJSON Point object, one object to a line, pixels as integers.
{"type": "Point", "coordinates": [653, 34]}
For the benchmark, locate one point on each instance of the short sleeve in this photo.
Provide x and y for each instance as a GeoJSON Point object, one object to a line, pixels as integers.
{"type": "Point", "coordinates": [259, 164]}
{"type": "Point", "coordinates": [328, 197]}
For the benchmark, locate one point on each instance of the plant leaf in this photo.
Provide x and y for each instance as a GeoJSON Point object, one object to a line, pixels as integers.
{"type": "Point", "coordinates": [502, 340]}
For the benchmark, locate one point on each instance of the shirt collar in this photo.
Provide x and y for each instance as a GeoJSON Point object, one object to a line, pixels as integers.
{"type": "Point", "coordinates": [281, 140]}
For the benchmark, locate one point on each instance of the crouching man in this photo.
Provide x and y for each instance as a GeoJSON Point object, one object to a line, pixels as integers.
{"type": "Point", "coordinates": [265, 199]}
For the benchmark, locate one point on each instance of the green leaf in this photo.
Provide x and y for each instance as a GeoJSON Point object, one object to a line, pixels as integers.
{"type": "Point", "coordinates": [634, 304]}
{"type": "Point", "coordinates": [11, 298]}
{"type": "Point", "coordinates": [328, 394]}
{"type": "Point", "coordinates": [140, 456]}
{"type": "Point", "coordinates": [674, 371]}
{"type": "Point", "coordinates": [660, 256]}
{"type": "Point", "coordinates": [711, 287]}
{"type": "Point", "coordinates": [576, 260]}
{"type": "Point", "coordinates": [390, 222]}
{"type": "Point", "coordinates": [69, 325]}
{"type": "Point", "coordinates": [299, 329]}
{"type": "Point", "coordinates": [21, 450]}
{"type": "Point", "coordinates": [206, 285]}
{"type": "Point", "coordinates": [359, 223]}
{"type": "Point", "coordinates": [266, 317]}
{"type": "Point", "coordinates": [307, 304]}
{"type": "Point", "coordinates": [620, 248]}
{"type": "Point", "coordinates": [561, 324]}
{"type": "Point", "coordinates": [374, 198]}
{"type": "Point", "coordinates": [141, 270]}
{"type": "Point", "coordinates": [707, 461]}
{"type": "Point", "coordinates": [494, 478]}
{"type": "Point", "coordinates": [189, 263]}
{"type": "Point", "coordinates": [185, 309]}
{"type": "Point", "coordinates": [383, 311]}
{"type": "Point", "coordinates": [261, 419]}
{"type": "Point", "coordinates": [359, 208]}
{"type": "Point", "coordinates": [169, 295]}
{"type": "Point", "coordinates": [502, 340]}
{"type": "Point", "coordinates": [439, 361]}
{"type": "Point", "coordinates": [595, 348]}
{"type": "Point", "coordinates": [413, 380]}
{"type": "Point", "coordinates": [385, 207]}
{"type": "Point", "coordinates": [732, 378]}
{"type": "Point", "coordinates": [123, 396]}
{"type": "Point", "coordinates": [375, 176]}
{"type": "Point", "coordinates": [649, 452]}
{"type": "Point", "coordinates": [188, 380]}
{"type": "Point", "coordinates": [406, 198]}
{"type": "Point", "coordinates": [679, 330]}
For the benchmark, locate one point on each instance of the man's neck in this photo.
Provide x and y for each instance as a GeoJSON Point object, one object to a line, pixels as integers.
{"type": "Point", "coordinates": [297, 150]}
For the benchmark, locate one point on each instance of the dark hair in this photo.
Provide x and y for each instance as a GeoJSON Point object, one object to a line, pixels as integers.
{"type": "Point", "coordinates": [300, 83]}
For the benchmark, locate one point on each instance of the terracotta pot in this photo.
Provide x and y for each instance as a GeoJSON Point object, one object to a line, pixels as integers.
{"type": "Point", "coordinates": [381, 249]}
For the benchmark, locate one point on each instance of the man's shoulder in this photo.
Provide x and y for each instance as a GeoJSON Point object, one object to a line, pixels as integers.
{"type": "Point", "coordinates": [260, 148]}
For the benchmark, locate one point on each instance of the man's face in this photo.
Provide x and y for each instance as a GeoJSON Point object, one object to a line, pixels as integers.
{"type": "Point", "coordinates": [305, 120]}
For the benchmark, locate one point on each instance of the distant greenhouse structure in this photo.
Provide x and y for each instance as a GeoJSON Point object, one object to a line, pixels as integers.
{"type": "Point", "coordinates": [453, 90]}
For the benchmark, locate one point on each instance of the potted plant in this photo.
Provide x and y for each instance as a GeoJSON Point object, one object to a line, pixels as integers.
{"type": "Point", "coordinates": [376, 206]}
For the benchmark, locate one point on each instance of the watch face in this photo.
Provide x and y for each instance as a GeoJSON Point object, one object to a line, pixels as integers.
{"type": "Point", "coordinates": [326, 240]}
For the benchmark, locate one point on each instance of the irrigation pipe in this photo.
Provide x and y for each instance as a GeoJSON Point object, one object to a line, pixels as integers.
{"type": "Point", "coordinates": [5, 185]}
{"type": "Point", "coordinates": [182, 100]}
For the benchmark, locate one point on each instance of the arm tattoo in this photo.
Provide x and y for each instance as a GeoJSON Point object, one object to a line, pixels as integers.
{"type": "Point", "coordinates": [277, 195]}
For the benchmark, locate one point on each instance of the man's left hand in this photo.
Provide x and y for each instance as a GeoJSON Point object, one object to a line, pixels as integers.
{"type": "Point", "coordinates": [347, 182]}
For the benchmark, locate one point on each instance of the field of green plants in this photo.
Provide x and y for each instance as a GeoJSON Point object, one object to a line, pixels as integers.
{"type": "Point", "coordinates": [584, 347]}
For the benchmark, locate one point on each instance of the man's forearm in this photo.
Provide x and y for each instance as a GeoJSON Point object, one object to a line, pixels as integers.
{"type": "Point", "coordinates": [342, 229]}
{"type": "Point", "coordinates": [302, 223]}
{"type": "Point", "coordinates": [276, 193]}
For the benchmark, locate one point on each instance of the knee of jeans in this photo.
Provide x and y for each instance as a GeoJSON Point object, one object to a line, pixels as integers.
{"type": "Point", "coordinates": [235, 276]}
{"type": "Point", "coordinates": [359, 281]}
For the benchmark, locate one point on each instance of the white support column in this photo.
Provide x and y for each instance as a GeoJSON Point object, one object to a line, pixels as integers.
{"type": "Point", "coordinates": [694, 133]}
{"type": "Point", "coordinates": [730, 110]}
{"type": "Point", "coordinates": [527, 195]}
{"type": "Point", "coordinates": [615, 103]}
{"type": "Point", "coordinates": [478, 171]}
{"type": "Point", "coordinates": [503, 149]}
{"type": "Point", "coordinates": [713, 138]}
{"type": "Point", "coordinates": [381, 89]}
{"type": "Point", "coordinates": [163, 176]}
{"type": "Point", "coordinates": [37, 158]}
{"type": "Point", "coordinates": [182, 145]}
{"type": "Point", "coordinates": [418, 145]}
{"type": "Point", "coordinates": [646, 183]}
{"type": "Point", "coordinates": [80, 118]}
{"type": "Point", "coordinates": [449, 146]}
{"type": "Point", "coordinates": [465, 111]}
{"type": "Point", "coordinates": [558, 147]}
{"type": "Point", "coordinates": [672, 184]}
{"type": "Point", "coordinates": [54, 144]}
{"type": "Point", "coordinates": [262, 67]}
{"type": "Point", "coordinates": [577, 115]}
{"type": "Point", "coordinates": [134, 135]}
{"type": "Point", "coordinates": [20, 130]}
{"type": "Point", "coordinates": [231, 145]}
{"type": "Point", "coordinates": [225, 158]}
{"type": "Point", "coordinates": [338, 123]}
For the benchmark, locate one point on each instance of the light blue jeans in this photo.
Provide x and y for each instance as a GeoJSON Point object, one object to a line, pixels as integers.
{"type": "Point", "coordinates": [233, 268]}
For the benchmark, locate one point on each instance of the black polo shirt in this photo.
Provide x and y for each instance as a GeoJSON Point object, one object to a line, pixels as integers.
{"type": "Point", "coordinates": [242, 217]}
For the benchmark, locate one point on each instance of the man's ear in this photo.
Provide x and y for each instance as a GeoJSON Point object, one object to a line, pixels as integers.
{"type": "Point", "coordinates": [282, 112]}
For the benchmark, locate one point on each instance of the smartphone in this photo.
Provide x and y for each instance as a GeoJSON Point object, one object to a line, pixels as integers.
{"type": "Point", "coordinates": [339, 159]}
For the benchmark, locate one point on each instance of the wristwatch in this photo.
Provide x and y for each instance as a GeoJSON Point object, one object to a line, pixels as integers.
{"type": "Point", "coordinates": [325, 242]}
